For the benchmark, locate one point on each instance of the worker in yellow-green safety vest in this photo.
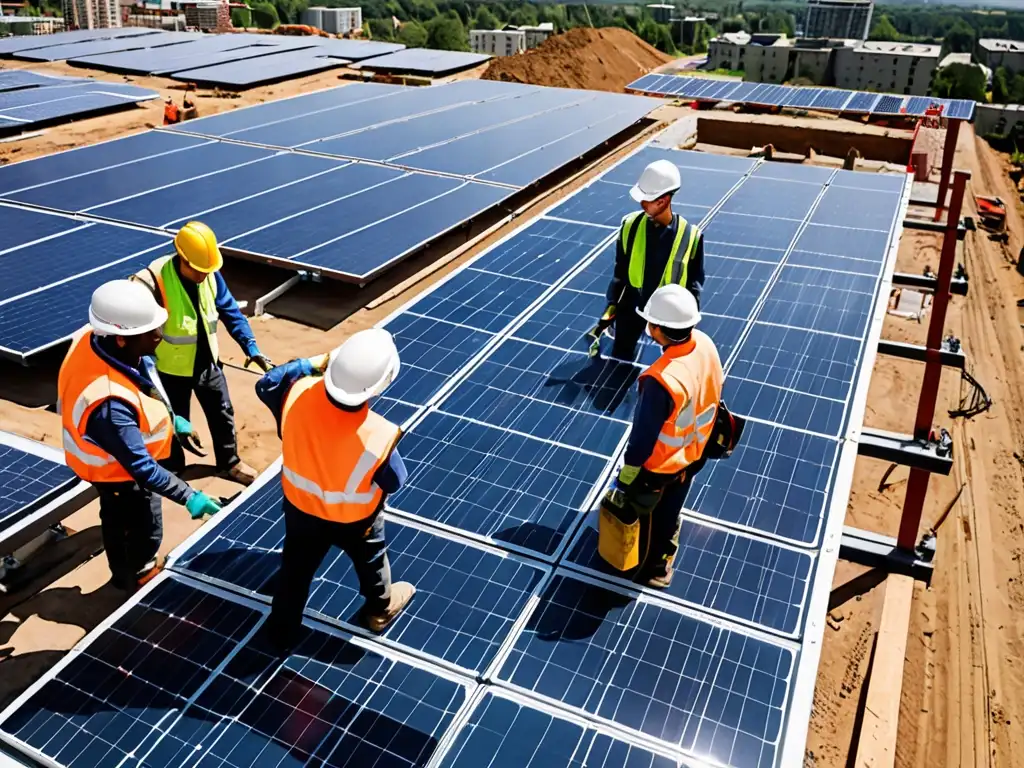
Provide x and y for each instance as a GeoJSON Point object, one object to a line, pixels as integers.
{"type": "Point", "coordinates": [655, 247]}
{"type": "Point", "coordinates": [189, 285]}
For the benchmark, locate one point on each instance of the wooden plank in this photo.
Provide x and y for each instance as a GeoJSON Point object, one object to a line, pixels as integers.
{"type": "Point", "coordinates": [877, 745]}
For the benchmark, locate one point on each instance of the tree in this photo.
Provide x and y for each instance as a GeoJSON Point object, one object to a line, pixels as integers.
{"type": "Point", "coordinates": [883, 29]}
{"type": "Point", "coordinates": [447, 34]}
{"type": "Point", "coordinates": [960, 39]}
{"type": "Point", "coordinates": [484, 19]}
{"type": "Point", "coordinates": [1000, 86]}
{"type": "Point", "coordinates": [412, 34]}
{"type": "Point", "coordinates": [960, 81]}
{"type": "Point", "coordinates": [241, 18]}
{"type": "Point", "coordinates": [264, 14]}
{"type": "Point", "coordinates": [524, 16]}
{"type": "Point", "coordinates": [381, 29]}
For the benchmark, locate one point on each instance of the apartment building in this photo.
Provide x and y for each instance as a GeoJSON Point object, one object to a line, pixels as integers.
{"type": "Point", "coordinates": [839, 18]}
{"type": "Point", "coordinates": [887, 67]}
{"type": "Point", "coordinates": [92, 14]}
{"type": "Point", "coordinates": [536, 34]}
{"type": "Point", "coordinates": [497, 42]}
{"type": "Point", "coordinates": [994, 53]}
{"type": "Point", "coordinates": [337, 21]}
{"type": "Point", "coordinates": [728, 51]}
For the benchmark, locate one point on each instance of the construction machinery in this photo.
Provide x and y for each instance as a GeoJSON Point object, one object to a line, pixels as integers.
{"type": "Point", "coordinates": [992, 215]}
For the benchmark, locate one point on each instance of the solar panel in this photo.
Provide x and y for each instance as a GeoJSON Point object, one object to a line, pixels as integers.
{"type": "Point", "coordinates": [17, 43]}
{"type": "Point", "coordinates": [508, 731]}
{"type": "Point", "coordinates": [261, 70]}
{"type": "Point", "coordinates": [33, 106]}
{"type": "Point", "coordinates": [889, 105]}
{"type": "Point", "coordinates": [355, 50]}
{"type": "Point", "coordinates": [20, 78]}
{"type": "Point", "coordinates": [208, 49]}
{"type": "Point", "coordinates": [863, 102]}
{"type": "Point", "coordinates": [182, 674]}
{"type": "Point", "coordinates": [423, 61]}
{"type": "Point", "coordinates": [661, 671]}
{"type": "Point", "coordinates": [93, 47]}
{"type": "Point", "coordinates": [35, 488]}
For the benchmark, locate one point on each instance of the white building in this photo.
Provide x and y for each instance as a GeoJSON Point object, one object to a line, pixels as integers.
{"type": "Point", "coordinates": [999, 119]}
{"type": "Point", "coordinates": [497, 42]}
{"type": "Point", "coordinates": [994, 53]}
{"type": "Point", "coordinates": [839, 18]}
{"type": "Point", "coordinates": [535, 35]}
{"type": "Point", "coordinates": [337, 21]}
{"type": "Point", "coordinates": [92, 14]}
{"type": "Point", "coordinates": [887, 67]}
{"type": "Point", "coordinates": [728, 51]}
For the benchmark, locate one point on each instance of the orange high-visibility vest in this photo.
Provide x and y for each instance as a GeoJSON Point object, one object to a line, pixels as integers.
{"type": "Point", "coordinates": [692, 374]}
{"type": "Point", "coordinates": [330, 455]}
{"type": "Point", "coordinates": [171, 115]}
{"type": "Point", "coordinates": [85, 381]}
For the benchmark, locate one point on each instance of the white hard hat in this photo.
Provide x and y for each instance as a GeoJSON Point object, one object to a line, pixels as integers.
{"type": "Point", "coordinates": [659, 178]}
{"type": "Point", "coordinates": [362, 367]}
{"type": "Point", "coordinates": [124, 308]}
{"type": "Point", "coordinates": [671, 306]}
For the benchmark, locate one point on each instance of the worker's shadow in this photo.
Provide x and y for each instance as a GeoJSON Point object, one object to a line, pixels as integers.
{"type": "Point", "coordinates": [571, 609]}
{"type": "Point", "coordinates": [606, 383]}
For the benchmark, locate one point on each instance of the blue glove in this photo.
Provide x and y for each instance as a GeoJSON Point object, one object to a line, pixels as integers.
{"type": "Point", "coordinates": [199, 505]}
{"type": "Point", "coordinates": [183, 427]}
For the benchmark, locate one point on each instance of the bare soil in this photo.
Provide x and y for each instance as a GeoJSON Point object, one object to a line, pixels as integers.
{"type": "Point", "coordinates": [606, 59]}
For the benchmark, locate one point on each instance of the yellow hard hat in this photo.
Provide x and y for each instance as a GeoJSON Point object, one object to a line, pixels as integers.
{"type": "Point", "coordinates": [196, 244]}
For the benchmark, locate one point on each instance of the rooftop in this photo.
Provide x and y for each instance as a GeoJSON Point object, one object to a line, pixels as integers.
{"type": "Point", "coordinates": [900, 49]}
{"type": "Point", "coordinates": [995, 44]}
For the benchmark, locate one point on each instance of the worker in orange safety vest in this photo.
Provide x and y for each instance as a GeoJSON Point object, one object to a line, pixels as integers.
{"type": "Point", "coordinates": [672, 423]}
{"type": "Point", "coordinates": [172, 114]}
{"type": "Point", "coordinates": [339, 463]}
{"type": "Point", "coordinates": [118, 426]}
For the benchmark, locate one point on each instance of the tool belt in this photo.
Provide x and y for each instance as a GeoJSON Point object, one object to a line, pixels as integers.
{"type": "Point", "coordinates": [725, 434]}
{"type": "Point", "coordinates": [618, 530]}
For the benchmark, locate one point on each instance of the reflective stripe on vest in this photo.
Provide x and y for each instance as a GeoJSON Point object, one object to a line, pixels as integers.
{"type": "Point", "coordinates": [330, 455]}
{"type": "Point", "coordinates": [692, 375]}
{"type": "Point", "coordinates": [633, 236]}
{"type": "Point", "coordinates": [85, 381]}
{"type": "Point", "coordinates": [176, 354]}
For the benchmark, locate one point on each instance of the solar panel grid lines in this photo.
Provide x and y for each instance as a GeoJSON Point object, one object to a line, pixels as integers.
{"type": "Point", "coordinates": [685, 680]}
{"type": "Point", "coordinates": [421, 60]}
{"type": "Point", "coordinates": [260, 70]}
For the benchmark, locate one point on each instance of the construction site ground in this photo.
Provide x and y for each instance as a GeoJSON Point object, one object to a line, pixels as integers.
{"type": "Point", "coordinates": [963, 688]}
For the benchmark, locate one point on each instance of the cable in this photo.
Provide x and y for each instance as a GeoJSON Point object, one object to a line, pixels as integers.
{"type": "Point", "coordinates": [975, 402]}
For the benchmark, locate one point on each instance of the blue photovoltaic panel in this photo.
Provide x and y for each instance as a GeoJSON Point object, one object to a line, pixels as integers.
{"type": "Point", "coordinates": [505, 733]}
{"type": "Point", "coordinates": [829, 98]}
{"type": "Point", "coordinates": [20, 227]}
{"type": "Point", "coordinates": [10, 45]}
{"type": "Point", "coordinates": [889, 105]}
{"type": "Point", "coordinates": [421, 60]}
{"type": "Point", "coordinates": [263, 69]}
{"type": "Point", "coordinates": [864, 244]}
{"type": "Point", "coordinates": [467, 598]}
{"type": "Point", "coordinates": [875, 209]}
{"type": "Point", "coordinates": [545, 251]}
{"type": "Point", "coordinates": [689, 163]}
{"type": "Point", "coordinates": [605, 204]}
{"type": "Point", "coordinates": [177, 678]}
{"type": "Point", "coordinates": [711, 691]}
{"type": "Point", "coordinates": [733, 286]}
{"type": "Point", "coordinates": [93, 47]}
{"type": "Point", "coordinates": [777, 482]}
{"type": "Point", "coordinates": [494, 484]}
{"type": "Point", "coordinates": [960, 109]}
{"type": "Point", "coordinates": [863, 102]}
{"type": "Point", "coordinates": [644, 82]}
{"type": "Point", "coordinates": [773, 197]}
{"type": "Point", "coordinates": [794, 377]}
{"type": "Point", "coordinates": [877, 182]}
{"type": "Point", "coordinates": [749, 232]}
{"type": "Point", "coordinates": [810, 174]}
{"type": "Point", "coordinates": [355, 50]}
{"type": "Point", "coordinates": [738, 576]}
{"type": "Point", "coordinates": [20, 78]}
{"type": "Point", "coordinates": [820, 300]}
{"type": "Point", "coordinates": [27, 481]}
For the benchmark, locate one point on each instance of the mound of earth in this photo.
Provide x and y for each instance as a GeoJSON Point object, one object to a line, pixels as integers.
{"type": "Point", "coordinates": [606, 59]}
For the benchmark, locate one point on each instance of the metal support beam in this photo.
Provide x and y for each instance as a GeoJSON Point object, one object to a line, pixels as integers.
{"type": "Point", "coordinates": [918, 353]}
{"type": "Point", "coordinates": [877, 551]}
{"type": "Point", "coordinates": [948, 151]}
{"type": "Point", "coordinates": [917, 483]}
{"type": "Point", "coordinates": [904, 449]}
{"type": "Point", "coordinates": [937, 227]}
{"type": "Point", "coordinates": [957, 287]}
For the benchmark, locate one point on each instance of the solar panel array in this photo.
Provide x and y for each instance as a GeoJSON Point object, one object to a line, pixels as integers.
{"type": "Point", "coordinates": [29, 99]}
{"type": "Point", "coordinates": [286, 182]}
{"type": "Point", "coordinates": [824, 99]}
{"type": "Point", "coordinates": [32, 477]}
{"type": "Point", "coordinates": [520, 647]}
{"type": "Point", "coordinates": [422, 61]}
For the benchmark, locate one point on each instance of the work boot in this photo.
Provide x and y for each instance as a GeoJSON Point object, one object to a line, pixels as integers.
{"type": "Point", "coordinates": [401, 594]}
{"type": "Point", "coordinates": [242, 474]}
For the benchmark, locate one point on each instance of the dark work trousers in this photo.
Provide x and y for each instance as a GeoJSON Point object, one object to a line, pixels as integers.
{"type": "Point", "coordinates": [132, 524]}
{"type": "Point", "coordinates": [659, 531]}
{"type": "Point", "coordinates": [629, 326]}
{"type": "Point", "coordinates": [211, 388]}
{"type": "Point", "coordinates": [307, 540]}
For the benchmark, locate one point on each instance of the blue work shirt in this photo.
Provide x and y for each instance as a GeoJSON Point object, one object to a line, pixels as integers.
{"type": "Point", "coordinates": [230, 314]}
{"type": "Point", "coordinates": [652, 411]}
{"type": "Point", "coordinates": [659, 246]}
{"type": "Point", "coordinates": [114, 426]}
{"type": "Point", "coordinates": [273, 388]}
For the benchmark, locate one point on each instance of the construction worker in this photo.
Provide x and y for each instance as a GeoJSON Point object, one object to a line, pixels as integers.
{"type": "Point", "coordinates": [340, 462]}
{"type": "Point", "coordinates": [673, 420]}
{"type": "Point", "coordinates": [189, 285]}
{"type": "Point", "coordinates": [117, 426]}
{"type": "Point", "coordinates": [655, 247]}
{"type": "Point", "coordinates": [172, 114]}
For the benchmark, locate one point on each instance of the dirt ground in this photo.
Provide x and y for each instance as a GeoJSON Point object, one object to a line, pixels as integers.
{"type": "Point", "coordinates": [606, 59]}
{"type": "Point", "coordinates": [963, 689]}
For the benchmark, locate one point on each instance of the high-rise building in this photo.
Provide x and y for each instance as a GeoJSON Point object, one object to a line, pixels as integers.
{"type": "Point", "coordinates": [92, 14]}
{"type": "Point", "coordinates": [848, 19]}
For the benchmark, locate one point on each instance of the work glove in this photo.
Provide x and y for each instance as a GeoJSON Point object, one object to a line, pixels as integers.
{"type": "Point", "coordinates": [187, 436]}
{"type": "Point", "coordinates": [200, 505]}
{"type": "Point", "coordinates": [609, 314]}
{"type": "Point", "coordinates": [259, 359]}
{"type": "Point", "coordinates": [183, 427]}
{"type": "Point", "coordinates": [595, 333]}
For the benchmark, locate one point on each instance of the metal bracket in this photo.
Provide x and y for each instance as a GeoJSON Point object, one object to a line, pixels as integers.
{"type": "Point", "coordinates": [919, 352]}
{"type": "Point", "coordinates": [905, 450]}
{"type": "Point", "coordinates": [957, 286]}
{"type": "Point", "coordinates": [877, 551]}
{"type": "Point", "coordinates": [939, 227]}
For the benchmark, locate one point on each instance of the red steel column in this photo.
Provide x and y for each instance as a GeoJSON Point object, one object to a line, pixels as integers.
{"type": "Point", "coordinates": [948, 150]}
{"type": "Point", "coordinates": [917, 485]}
